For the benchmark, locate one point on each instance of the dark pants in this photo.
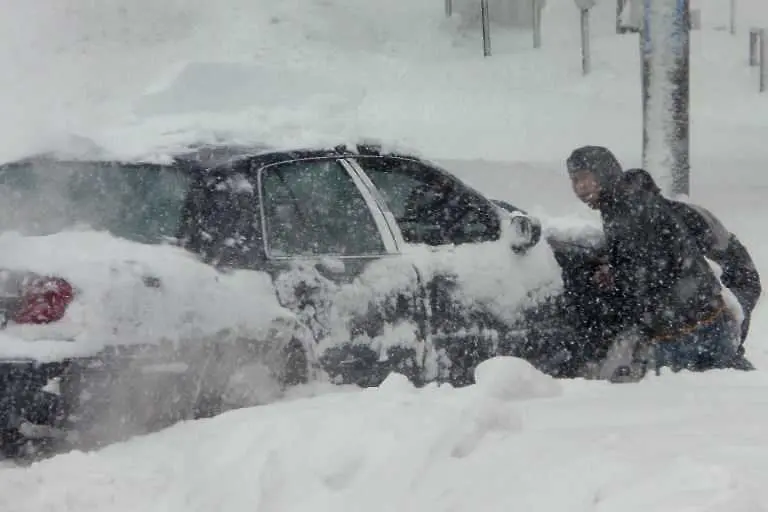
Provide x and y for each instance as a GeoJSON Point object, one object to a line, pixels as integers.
{"type": "Point", "coordinates": [711, 345]}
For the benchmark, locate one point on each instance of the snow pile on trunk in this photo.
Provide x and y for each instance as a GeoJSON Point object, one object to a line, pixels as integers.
{"type": "Point", "coordinates": [130, 293]}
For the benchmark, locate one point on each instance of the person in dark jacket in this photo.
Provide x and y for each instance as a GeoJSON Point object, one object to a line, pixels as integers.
{"type": "Point", "coordinates": [739, 273]}
{"type": "Point", "coordinates": [667, 296]}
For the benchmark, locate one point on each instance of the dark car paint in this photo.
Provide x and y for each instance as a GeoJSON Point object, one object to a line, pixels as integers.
{"type": "Point", "coordinates": [432, 305]}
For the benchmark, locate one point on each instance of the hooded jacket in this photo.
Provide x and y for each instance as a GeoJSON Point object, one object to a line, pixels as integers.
{"type": "Point", "coordinates": [662, 282]}
{"type": "Point", "coordinates": [740, 274]}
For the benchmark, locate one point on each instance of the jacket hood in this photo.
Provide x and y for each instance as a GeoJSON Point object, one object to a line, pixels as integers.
{"type": "Point", "coordinates": [598, 160]}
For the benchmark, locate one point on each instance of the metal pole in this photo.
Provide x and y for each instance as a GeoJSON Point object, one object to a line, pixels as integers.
{"type": "Point", "coordinates": [732, 16]}
{"type": "Point", "coordinates": [485, 20]}
{"type": "Point", "coordinates": [754, 34]}
{"type": "Point", "coordinates": [645, 73]}
{"type": "Point", "coordinates": [681, 80]}
{"type": "Point", "coordinates": [763, 59]}
{"type": "Point", "coordinates": [666, 76]}
{"type": "Point", "coordinates": [619, 10]}
{"type": "Point", "coordinates": [448, 8]}
{"type": "Point", "coordinates": [536, 21]}
{"type": "Point", "coordinates": [586, 57]}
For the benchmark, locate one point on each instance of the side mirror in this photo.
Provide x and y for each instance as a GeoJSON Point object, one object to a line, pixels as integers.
{"type": "Point", "coordinates": [526, 232]}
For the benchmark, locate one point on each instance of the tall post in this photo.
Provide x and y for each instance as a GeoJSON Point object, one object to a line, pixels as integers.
{"type": "Point", "coordinates": [666, 90]}
{"type": "Point", "coordinates": [448, 8]}
{"type": "Point", "coordinates": [486, 22]}
{"type": "Point", "coordinates": [645, 78]}
{"type": "Point", "coordinates": [763, 60]}
{"type": "Point", "coordinates": [619, 10]}
{"type": "Point", "coordinates": [732, 16]}
{"type": "Point", "coordinates": [536, 23]}
{"type": "Point", "coordinates": [754, 37]}
{"type": "Point", "coordinates": [586, 56]}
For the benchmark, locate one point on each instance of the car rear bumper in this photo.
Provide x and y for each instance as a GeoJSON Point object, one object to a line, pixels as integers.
{"type": "Point", "coordinates": [15, 349]}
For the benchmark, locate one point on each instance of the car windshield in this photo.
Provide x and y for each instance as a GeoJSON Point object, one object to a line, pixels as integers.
{"type": "Point", "coordinates": [140, 202]}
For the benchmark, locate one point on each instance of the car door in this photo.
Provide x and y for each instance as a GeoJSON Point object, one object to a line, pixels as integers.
{"type": "Point", "coordinates": [462, 259]}
{"type": "Point", "coordinates": [336, 264]}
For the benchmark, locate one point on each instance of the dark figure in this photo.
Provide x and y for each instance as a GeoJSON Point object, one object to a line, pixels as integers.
{"type": "Point", "coordinates": [740, 274]}
{"type": "Point", "coordinates": [667, 298]}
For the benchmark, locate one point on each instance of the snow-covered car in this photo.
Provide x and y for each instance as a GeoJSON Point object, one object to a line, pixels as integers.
{"type": "Point", "coordinates": [144, 292]}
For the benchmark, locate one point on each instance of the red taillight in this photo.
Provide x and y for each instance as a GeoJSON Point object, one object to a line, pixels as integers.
{"type": "Point", "coordinates": [43, 300]}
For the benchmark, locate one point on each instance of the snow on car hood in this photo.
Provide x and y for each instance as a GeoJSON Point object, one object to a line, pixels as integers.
{"type": "Point", "coordinates": [577, 230]}
{"type": "Point", "coordinates": [131, 293]}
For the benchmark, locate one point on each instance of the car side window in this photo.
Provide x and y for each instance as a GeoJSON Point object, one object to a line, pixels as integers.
{"type": "Point", "coordinates": [430, 206]}
{"type": "Point", "coordinates": [220, 220]}
{"type": "Point", "coordinates": [139, 202]}
{"type": "Point", "coordinates": [313, 207]}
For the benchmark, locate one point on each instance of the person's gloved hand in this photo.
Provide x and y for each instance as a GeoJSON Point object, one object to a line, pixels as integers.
{"type": "Point", "coordinates": [603, 277]}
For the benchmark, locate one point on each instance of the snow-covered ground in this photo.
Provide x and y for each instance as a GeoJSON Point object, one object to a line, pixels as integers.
{"type": "Point", "coordinates": [134, 76]}
{"type": "Point", "coordinates": [515, 441]}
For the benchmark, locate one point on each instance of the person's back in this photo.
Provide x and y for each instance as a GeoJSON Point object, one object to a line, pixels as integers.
{"type": "Point", "coordinates": [739, 273]}
{"type": "Point", "coordinates": [667, 283]}
{"type": "Point", "coordinates": [706, 229]}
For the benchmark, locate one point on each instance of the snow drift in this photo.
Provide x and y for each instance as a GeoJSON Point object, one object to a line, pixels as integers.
{"type": "Point", "coordinates": [516, 439]}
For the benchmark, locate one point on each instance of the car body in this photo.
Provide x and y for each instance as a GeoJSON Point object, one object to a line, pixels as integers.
{"type": "Point", "coordinates": [223, 264]}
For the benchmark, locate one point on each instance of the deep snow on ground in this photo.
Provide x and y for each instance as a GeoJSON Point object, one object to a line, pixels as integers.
{"type": "Point", "coordinates": [134, 76]}
{"type": "Point", "coordinates": [517, 440]}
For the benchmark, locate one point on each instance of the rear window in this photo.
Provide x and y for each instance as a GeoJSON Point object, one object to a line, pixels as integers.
{"type": "Point", "coordinates": [137, 202]}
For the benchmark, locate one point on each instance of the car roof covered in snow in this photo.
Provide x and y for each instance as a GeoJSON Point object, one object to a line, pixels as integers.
{"type": "Point", "coordinates": [210, 155]}
{"type": "Point", "coordinates": [207, 156]}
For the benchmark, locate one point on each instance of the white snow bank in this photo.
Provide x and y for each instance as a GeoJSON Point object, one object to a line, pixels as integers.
{"type": "Point", "coordinates": [509, 378]}
{"type": "Point", "coordinates": [651, 447]}
{"type": "Point", "coordinates": [346, 69]}
{"type": "Point", "coordinates": [401, 73]}
{"type": "Point", "coordinates": [226, 87]}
